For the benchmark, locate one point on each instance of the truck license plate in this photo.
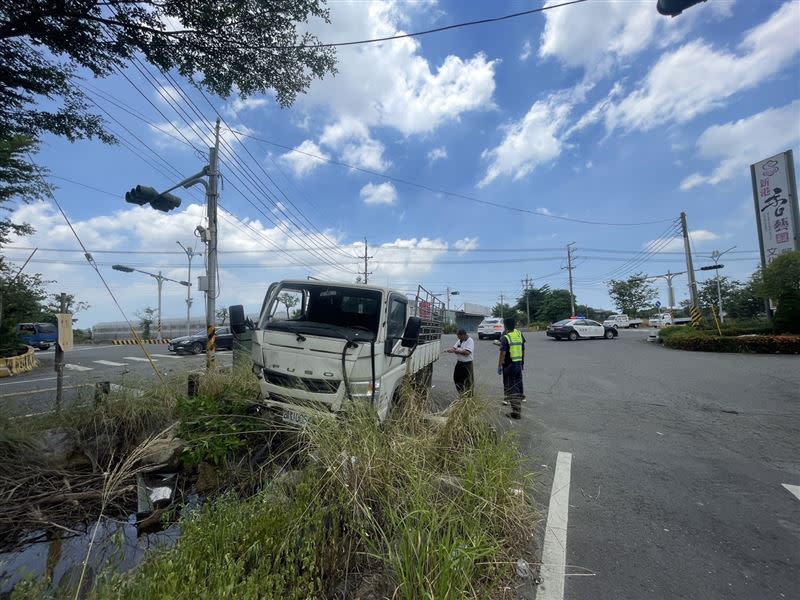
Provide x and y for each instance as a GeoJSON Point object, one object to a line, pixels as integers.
{"type": "Point", "coordinates": [295, 418]}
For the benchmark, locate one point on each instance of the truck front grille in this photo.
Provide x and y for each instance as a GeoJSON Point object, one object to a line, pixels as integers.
{"type": "Point", "coordinates": [316, 386]}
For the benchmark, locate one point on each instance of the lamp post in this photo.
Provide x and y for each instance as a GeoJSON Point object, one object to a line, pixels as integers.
{"type": "Point", "coordinates": [715, 256]}
{"type": "Point", "coordinates": [160, 279]}
{"type": "Point", "coordinates": [190, 254]}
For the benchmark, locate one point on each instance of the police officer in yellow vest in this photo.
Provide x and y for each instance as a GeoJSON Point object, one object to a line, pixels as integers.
{"type": "Point", "coordinates": [510, 365]}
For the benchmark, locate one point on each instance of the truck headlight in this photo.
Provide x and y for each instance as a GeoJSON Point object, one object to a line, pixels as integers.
{"type": "Point", "coordinates": [363, 389]}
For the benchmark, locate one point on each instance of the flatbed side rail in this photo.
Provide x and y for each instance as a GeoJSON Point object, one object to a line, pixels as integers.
{"type": "Point", "coordinates": [431, 311]}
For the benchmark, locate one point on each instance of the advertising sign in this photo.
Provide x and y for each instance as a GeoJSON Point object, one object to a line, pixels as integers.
{"type": "Point", "coordinates": [775, 196]}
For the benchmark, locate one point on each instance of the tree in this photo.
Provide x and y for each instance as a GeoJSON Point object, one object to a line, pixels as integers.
{"type": "Point", "coordinates": [222, 315]}
{"type": "Point", "coordinates": [288, 300]}
{"type": "Point", "coordinates": [556, 306]}
{"type": "Point", "coordinates": [21, 301]}
{"type": "Point", "coordinates": [632, 295]}
{"type": "Point", "coordinates": [780, 281]}
{"type": "Point", "coordinates": [247, 47]}
{"type": "Point", "coordinates": [532, 298]}
{"type": "Point", "coordinates": [503, 310]}
{"type": "Point", "coordinates": [147, 317]}
{"type": "Point", "coordinates": [73, 307]}
{"type": "Point", "coordinates": [739, 300]}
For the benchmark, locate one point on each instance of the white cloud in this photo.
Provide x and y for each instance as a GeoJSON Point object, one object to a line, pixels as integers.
{"type": "Point", "coordinates": [408, 257]}
{"type": "Point", "coordinates": [527, 50]}
{"type": "Point", "coordinates": [382, 193]}
{"type": "Point", "coordinates": [299, 160]}
{"type": "Point", "coordinates": [239, 105]}
{"type": "Point", "coordinates": [168, 94]}
{"type": "Point", "coordinates": [437, 154]}
{"type": "Point", "coordinates": [741, 143]}
{"type": "Point", "coordinates": [529, 142]}
{"type": "Point", "coordinates": [351, 137]}
{"type": "Point", "coordinates": [466, 244]}
{"type": "Point", "coordinates": [199, 133]}
{"type": "Point", "coordinates": [697, 77]}
{"type": "Point", "coordinates": [392, 84]}
{"type": "Point", "coordinates": [698, 237]}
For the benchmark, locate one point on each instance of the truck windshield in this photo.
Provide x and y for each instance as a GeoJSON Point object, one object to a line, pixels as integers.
{"type": "Point", "coordinates": [323, 310]}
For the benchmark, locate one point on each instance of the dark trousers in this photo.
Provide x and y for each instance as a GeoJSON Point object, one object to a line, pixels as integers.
{"type": "Point", "coordinates": [464, 377]}
{"type": "Point", "coordinates": [512, 386]}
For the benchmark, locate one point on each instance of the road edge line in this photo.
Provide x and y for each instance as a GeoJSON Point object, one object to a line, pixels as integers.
{"type": "Point", "coordinates": [554, 548]}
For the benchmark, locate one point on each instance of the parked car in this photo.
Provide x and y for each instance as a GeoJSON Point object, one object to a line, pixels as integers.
{"type": "Point", "coordinates": [196, 343]}
{"type": "Point", "coordinates": [573, 329]}
{"type": "Point", "coordinates": [622, 321]}
{"type": "Point", "coordinates": [490, 328]}
{"type": "Point", "coordinates": [38, 335]}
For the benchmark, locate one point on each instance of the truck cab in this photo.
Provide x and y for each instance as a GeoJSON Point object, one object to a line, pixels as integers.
{"type": "Point", "coordinates": [322, 346]}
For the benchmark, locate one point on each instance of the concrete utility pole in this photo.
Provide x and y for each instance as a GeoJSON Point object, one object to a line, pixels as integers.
{"type": "Point", "coordinates": [211, 252]}
{"type": "Point", "coordinates": [526, 286]}
{"type": "Point", "coordinates": [502, 309]}
{"type": "Point", "coordinates": [689, 265]}
{"type": "Point", "coordinates": [366, 263]}
{"type": "Point", "coordinates": [569, 268]}
{"type": "Point", "coordinates": [190, 254]}
{"type": "Point", "coordinates": [59, 361]}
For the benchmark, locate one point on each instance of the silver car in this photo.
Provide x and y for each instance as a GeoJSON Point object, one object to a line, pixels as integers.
{"type": "Point", "coordinates": [490, 328]}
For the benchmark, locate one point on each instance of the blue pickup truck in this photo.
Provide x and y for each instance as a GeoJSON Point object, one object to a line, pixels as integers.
{"type": "Point", "coordinates": [38, 335]}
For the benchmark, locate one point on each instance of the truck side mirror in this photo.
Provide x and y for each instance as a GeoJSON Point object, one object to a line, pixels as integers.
{"type": "Point", "coordinates": [236, 314]}
{"type": "Point", "coordinates": [411, 334]}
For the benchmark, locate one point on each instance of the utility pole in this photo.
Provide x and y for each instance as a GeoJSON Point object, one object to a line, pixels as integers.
{"type": "Point", "coordinates": [59, 362]}
{"type": "Point", "coordinates": [502, 309]}
{"type": "Point", "coordinates": [211, 252]}
{"type": "Point", "coordinates": [190, 254]}
{"type": "Point", "coordinates": [366, 263]}
{"type": "Point", "coordinates": [526, 286]}
{"type": "Point", "coordinates": [569, 268]}
{"type": "Point", "coordinates": [689, 265]}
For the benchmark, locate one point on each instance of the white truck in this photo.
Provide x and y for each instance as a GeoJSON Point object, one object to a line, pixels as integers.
{"type": "Point", "coordinates": [622, 322]}
{"type": "Point", "coordinates": [320, 347]}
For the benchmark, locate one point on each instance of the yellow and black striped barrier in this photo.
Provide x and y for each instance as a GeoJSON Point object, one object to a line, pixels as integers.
{"type": "Point", "coordinates": [697, 317]}
{"type": "Point", "coordinates": [134, 342]}
{"type": "Point", "coordinates": [211, 343]}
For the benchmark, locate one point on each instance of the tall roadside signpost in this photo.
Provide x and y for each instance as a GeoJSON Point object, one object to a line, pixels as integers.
{"type": "Point", "coordinates": [777, 213]}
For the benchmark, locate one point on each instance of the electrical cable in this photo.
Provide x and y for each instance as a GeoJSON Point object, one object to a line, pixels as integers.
{"type": "Point", "coordinates": [446, 192]}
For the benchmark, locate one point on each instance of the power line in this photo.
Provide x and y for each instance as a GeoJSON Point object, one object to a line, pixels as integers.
{"type": "Point", "coordinates": [400, 36]}
{"type": "Point", "coordinates": [447, 192]}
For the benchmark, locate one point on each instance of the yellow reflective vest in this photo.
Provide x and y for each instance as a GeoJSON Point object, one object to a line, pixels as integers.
{"type": "Point", "coordinates": [515, 345]}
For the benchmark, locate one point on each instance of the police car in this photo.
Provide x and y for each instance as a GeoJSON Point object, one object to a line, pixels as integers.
{"type": "Point", "coordinates": [576, 328]}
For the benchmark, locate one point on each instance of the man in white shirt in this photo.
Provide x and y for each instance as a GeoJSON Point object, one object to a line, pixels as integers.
{"type": "Point", "coordinates": [463, 374]}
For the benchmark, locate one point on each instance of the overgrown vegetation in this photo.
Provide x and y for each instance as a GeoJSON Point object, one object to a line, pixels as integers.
{"type": "Point", "coordinates": [758, 340]}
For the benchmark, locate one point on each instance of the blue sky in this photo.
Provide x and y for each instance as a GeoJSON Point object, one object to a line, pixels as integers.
{"type": "Point", "coordinates": [603, 112]}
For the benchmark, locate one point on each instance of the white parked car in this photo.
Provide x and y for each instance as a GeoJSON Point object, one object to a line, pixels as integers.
{"type": "Point", "coordinates": [490, 328]}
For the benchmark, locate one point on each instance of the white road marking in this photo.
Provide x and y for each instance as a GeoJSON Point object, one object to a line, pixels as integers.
{"type": "Point", "coordinates": [138, 359]}
{"type": "Point", "coordinates": [28, 381]}
{"type": "Point", "coordinates": [34, 392]}
{"type": "Point", "coordinates": [165, 355]}
{"type": "Point", "coordinates": [794, 490]}
{"type": "Point", "coordinates": [72, 367]}
{"type": "Point", "coordinates": [554, 550]}
{"type": "Point", "coordinates": [81, 349]}
{"type": "Point", "coordinates": [110, 363]}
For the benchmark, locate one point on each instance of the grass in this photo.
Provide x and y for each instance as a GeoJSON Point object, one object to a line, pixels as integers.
{"type": "Point", "coordinates": [422, 511]}
{"type": "Point", "coordinates": [410, 508]}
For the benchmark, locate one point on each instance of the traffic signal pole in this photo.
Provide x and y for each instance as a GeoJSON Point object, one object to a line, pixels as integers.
{"type": "Point", "coordinates": [211, 252]}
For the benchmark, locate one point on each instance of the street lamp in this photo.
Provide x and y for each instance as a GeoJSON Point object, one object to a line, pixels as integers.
{"type": "Point", "coordinates": [715, 256]}
{"type": "Point", "coordinates": [160, 279]}
{"type": "Point", "coordinates": [190, 254]}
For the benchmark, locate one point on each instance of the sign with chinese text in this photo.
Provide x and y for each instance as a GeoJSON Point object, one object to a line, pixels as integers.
{"type": "Point", "coordinates": [64, 331]}
{"type": "Point", "coordinates": [775, 195]}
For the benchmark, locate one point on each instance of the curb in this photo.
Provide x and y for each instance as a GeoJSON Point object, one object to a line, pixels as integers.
{"type": "Point", "coordinates": [135, 342]}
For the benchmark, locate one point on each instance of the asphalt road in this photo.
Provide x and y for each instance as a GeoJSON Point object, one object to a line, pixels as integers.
{"type": "Point", "coordinates": [126, 365]}
{"type": "Point", "coordinates": [678, 461]}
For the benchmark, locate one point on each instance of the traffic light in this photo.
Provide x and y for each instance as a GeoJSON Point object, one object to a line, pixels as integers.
{"type": "Point", "coordinates": [143, 194]}
{"type": "Point", "coordinates": [672, 8]}
{"type": "Point", "coordinates": [165, 202]}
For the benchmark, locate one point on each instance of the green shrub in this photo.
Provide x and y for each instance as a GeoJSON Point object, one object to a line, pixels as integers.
{"type": "Point", "coordinates": [787, 317]}
{"type": "Point", "coordinates": [706, 341]}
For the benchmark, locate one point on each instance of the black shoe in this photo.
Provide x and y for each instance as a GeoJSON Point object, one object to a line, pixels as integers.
{"type": "Point", "coordinates": [513, 415]}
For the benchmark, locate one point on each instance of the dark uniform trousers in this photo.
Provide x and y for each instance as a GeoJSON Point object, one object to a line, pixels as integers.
{"type": "Point", "coordinates": [464, 377]}
{"type": "Point", "coordinates": [512, 386]}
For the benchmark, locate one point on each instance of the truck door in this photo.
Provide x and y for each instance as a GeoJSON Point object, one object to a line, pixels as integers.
{"type": "Point", "coordinates": [395, 326]}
